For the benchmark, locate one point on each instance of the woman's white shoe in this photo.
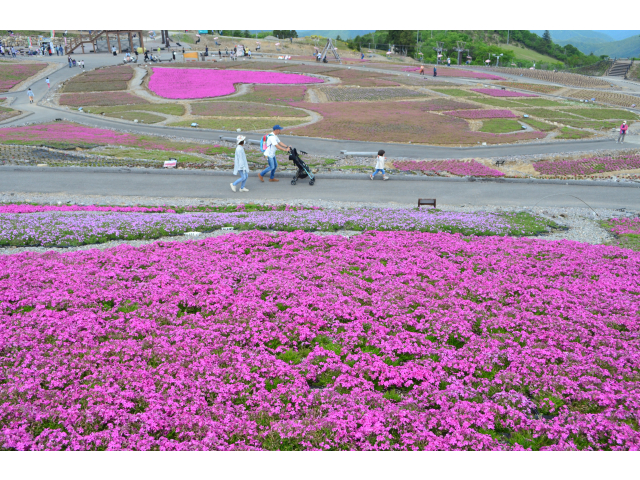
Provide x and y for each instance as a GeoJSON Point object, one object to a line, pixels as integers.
{"type": "Point", "coordinates": [244, 189]}
{"type": "Point", "coordinates": [233, 187]}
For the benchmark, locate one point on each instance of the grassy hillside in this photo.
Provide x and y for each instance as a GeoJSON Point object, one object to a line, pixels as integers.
{"type": "Point", "coordinates": [529, 55]}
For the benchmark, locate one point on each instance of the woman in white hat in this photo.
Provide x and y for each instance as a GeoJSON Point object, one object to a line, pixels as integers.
{"type": "Point", "coordinates": [240, 165]}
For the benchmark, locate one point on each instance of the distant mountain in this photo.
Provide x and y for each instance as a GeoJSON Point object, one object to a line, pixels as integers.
{"type": "Point", "coordinates": [627, 48]}
{"type": "Point", "coordinates": [562, 36]}
{"type": "Point", "coordinates": [615, 43]}
{"type": "Point", "coordinates": [620, 34]}
{"type": "Point", "coordinates": [344, 34]}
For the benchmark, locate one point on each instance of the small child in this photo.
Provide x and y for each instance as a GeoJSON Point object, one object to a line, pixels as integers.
{"type": "Point", "coordinates": [380, 166]}
{"type": "Point", "coordinates": [48, 84]}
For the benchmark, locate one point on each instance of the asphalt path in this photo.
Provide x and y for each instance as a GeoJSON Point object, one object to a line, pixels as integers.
{"type": "Point", "coordinates": [152, 184]}
{"type": "Point", "coordinates": [314, 146]}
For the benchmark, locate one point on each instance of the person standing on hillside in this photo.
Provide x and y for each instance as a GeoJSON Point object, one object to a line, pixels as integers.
{"type": "Point", "coordinates": [421, 69]}
{"type": "Point", "coordinates": [623, 131]}
{"type": "Point", "coordinates": [30, 94]}
{"type": "Point", "coordinates": [273, 143]}
{"type": "Point", "coordinates": [435, 71]}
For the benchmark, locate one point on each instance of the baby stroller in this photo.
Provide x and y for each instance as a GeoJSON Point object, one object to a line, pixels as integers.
{"type": "Point", "coordinates": [303, 169]}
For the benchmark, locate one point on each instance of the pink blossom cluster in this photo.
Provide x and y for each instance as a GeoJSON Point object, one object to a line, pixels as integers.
{"type": "Point", "coordinates": [494, 92]}
{"type": "Point", "coordinates": [476, 114]}
{"type": "Point", "coordinates": [384, 341]}
{"type": "Point", "coordinates": [26, 208]}
{"type": "Point", "coordinates": [444, 71]}
{"type": "Point", "coordinates": [59, 132]}
{"type": "Point", "coordinates": [12, 74]}
{"type": "Point", "coordinates": [625, 226]}
{"type": "Point", "coordinates": [204, 83]}
{"type": "Point", "coordinates": [456, 167]}
{"type": "Point", "coordinates": [587, 166]}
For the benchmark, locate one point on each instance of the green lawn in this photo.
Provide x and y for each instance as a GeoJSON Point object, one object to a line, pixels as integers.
{"type": "Point", "coordinates": [571, 134]}
{"type": "Point", "coordinates": [167, 108]}
{"type": "Point", "coordinates": [500, 125]}
{"type": "Point", "coordinates": [455, 92]}
{"type": "Point", "coordinates": [161, 155]}
{"type": "Point", "coordinates": [549, 114]}
{"type": "Point", "coordinates": [593, 124]}
{"type": "Point", "coordinates": [603, 113]}
{"type": "Point", "coordinates": [540, 102]}
{"type": "Point", "coordinates": [538, 125]}
{"type": "Point", "coordinates": [232, 124]}
{"type": "Point", "coordinates": [530, 55]}
{"type": "Point", "coordinates": [140, 116]}
{"type": "Point", "coordinates": [498, 102]}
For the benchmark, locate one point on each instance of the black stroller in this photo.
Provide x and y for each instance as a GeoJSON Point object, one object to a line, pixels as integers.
{"type": "Point", "coordinates": [303, 169]}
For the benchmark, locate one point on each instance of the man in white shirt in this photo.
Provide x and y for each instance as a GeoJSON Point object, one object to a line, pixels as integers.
{"type": "Point", "coordinates": [273, 143]}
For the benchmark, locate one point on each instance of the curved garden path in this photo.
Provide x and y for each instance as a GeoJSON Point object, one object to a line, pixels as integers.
{"type": "Point", "coordinates": [41, 112]}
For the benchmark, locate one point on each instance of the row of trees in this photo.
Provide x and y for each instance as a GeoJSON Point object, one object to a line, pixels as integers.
{"type": "Point", "coordinates": [248, 34]}
{"type": "Point", "coordinates": [481, 45]}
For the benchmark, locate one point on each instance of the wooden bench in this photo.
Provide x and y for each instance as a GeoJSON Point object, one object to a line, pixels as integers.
{"type": "Point", "coordinates": [427, 201]}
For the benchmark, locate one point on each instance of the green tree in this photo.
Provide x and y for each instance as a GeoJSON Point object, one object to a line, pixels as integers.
{"type": "Point", "coordinates": [546, 36]}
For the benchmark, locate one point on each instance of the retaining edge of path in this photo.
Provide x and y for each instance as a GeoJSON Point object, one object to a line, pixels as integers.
{"type": "Point", "coordinates": [320, 176]}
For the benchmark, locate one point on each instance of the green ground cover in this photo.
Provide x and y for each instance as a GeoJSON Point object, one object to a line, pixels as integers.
{"type": "Point", "coordinates": [167, 108]}
{"type": "Point", "coordinates": [498, 102]}
{"type": "Point", "coordinates": [538, 125]}
{"type": "Point", "coordinates": [104, 99]}
{"type": "Point", "coordinates": [244, 109]}
{"type": "Point", "coordinates": [592, 124]}
{"type": "Point", "coordinates": [549, 114]}
{"type": "Point", "coordinates": [159, 155]}
{"type": "Point", "coordinates": [140, 116]}
{"type": "Point", "coordinates": [7, 113]}
{"type": "Point", "coordinates": [455, 92]}
{"type": "Point", "coordinates": [235, 123]}
{"type": "Point", "coordinates": [572, 134]}
{"type": "Point", "coordinates": [603, 113]}
{"type": "Point", "coordinates": [500, 125]}
{"type": "Point", "coordinates": [540, 102]}
{"type": "Point", "coordinates": [273, 94]}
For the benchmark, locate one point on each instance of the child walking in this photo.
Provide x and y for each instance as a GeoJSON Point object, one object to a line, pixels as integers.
{"type": "Point", "coordinates": [380, 166]}
{"type": "Point", "coordinates": [240, 165]}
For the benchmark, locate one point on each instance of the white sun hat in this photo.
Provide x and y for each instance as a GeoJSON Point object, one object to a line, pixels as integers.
{"type": "Point", "coordinates": [240, 138]}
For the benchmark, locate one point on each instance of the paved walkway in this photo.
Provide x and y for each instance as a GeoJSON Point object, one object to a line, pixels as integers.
{"type": "Point", "coordinates": [87, 182]}
{"type": "Point", "coordinates": [314, 146]}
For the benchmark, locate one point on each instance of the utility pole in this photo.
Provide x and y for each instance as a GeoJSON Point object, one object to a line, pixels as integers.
{"type": "Point", "coordinates": [507, 37]}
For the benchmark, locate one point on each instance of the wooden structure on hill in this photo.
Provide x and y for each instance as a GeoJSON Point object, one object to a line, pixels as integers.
{"type": "Point", "coordinates": [97, 36]}
{"type": "Point", "coordinates": [330, 48]}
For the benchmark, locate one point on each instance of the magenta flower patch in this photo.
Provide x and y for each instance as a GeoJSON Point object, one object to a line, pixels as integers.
{"type": "Point", "coordinates": [588, 166]}
{"type": "Point", "coordinates": [385, 341]}
{"type": "Point", "coordinates": [205, 83]}
{"type": "Point", "coordinates": [456, 167]}
{"type": "Point", "coordinates": [494, 92]}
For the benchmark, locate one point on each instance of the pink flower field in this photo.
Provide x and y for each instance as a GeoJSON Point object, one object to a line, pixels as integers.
{"type": "Point", "coordinates": [26, 208]}
{"type": "Point", "coordinates": [477, 114]}
{"type": "Point", "coordinates": [494, 92]}
{"type": "Point", "coordinates": [69, 133]}
{"type": "Point", "coordinates": [588, 166]}
{"type": "Point", "coordinates": [179, 83]}
{"type": "Point", "coordinates": [625, 226]}
{"type": "Point", "coordinates": [102, 99]}
{"type": "Point", "coordinates": [12, 74]}
{"type": "Point", "coordinates": [385, 341]}
{"type": "Point", "coordinates": [456, 167]}
{"type": "Point", "coordinates": [444, 71]}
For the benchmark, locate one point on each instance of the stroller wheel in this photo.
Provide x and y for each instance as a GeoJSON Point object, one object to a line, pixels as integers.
{"type": "Point", "coordinates": [293, 182]}
{"type": "Point", "coordinates": [311, 182]}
